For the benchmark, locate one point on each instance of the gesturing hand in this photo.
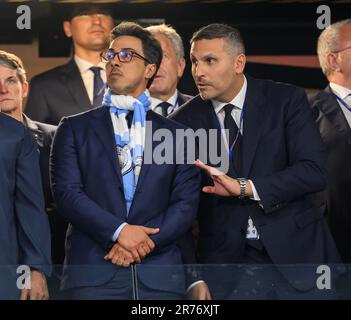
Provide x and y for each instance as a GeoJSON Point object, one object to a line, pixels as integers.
{"type": "Point", "coordinates": [223, 184]}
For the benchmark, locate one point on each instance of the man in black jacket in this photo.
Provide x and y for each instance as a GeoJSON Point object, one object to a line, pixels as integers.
{"type": "Point", "coordinates": [276, 159]}
{"type": "Point", "coordinates": [78, 85]}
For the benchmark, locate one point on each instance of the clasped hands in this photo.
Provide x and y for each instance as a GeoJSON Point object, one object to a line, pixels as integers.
{"type": "Point", "coordinates": [133, 244]}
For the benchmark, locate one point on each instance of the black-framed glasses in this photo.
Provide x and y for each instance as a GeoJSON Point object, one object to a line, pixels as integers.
{"type": "Point", "coordinates": [123, 56]}
{"type": "Point", "coordinates": [341, 50]}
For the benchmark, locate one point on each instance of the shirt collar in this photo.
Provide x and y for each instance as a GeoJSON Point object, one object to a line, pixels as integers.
{"type": "Point", "coordinates": [238, 100]}
{"type": "Point", "coordinates": [172, 100]}
{"type": "Point", "coordinates": [340, 91]}
{"type": "Point", "coordinates": [84, 65]}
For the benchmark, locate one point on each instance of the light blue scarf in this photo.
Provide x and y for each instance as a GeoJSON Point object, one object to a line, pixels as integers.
{"type": "Point", "coordinates": [130, 143]}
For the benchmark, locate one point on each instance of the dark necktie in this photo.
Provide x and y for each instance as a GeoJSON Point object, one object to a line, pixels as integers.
{"type": "Point", "coordinates": [98, 86]}
{"type": "Point", "coordinates": [164, 107]}
{"type": "Point", "coordinates": [229, 123]}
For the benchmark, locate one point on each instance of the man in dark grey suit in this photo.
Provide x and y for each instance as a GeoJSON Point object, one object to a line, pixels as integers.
{"type": "Point", "coordinates": [332, 110]}
{"type": "Point", "coordinates": [78, 85]}
{"type": "Point", "coordinates": [165, 98]}
{"type": "Point", "coordinates": [24, 228]}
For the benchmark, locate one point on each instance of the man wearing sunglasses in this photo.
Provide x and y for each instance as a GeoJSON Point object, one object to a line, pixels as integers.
{"type": "Point", "coordinates": [332, 110]}
{"type": "Point", "coordinates": [122, 208]}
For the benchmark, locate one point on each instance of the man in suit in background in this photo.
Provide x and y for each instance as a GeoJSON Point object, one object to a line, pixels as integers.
{"type": "Point", "coordinates": [332, 110]}
{"type": "Point", "coordinates": [25, 234]}
{"type": "Point", "coordinates": [276, 158]}
{"type": "Point", "coordinates": [78, 85]}
{"type": "Point", "coordinates": [121, 209]}
{"type": "Point", "coordinates": [165, 98]}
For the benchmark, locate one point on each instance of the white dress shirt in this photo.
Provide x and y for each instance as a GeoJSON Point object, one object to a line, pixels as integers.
{"type": "Point", "coordinates": [344, 94]}
{"type": "Point", "coordinates": [88, 75]}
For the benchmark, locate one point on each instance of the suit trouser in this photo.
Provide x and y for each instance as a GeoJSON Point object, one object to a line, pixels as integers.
{"type": "Point", "coordinates": [120, 288]}
{"type": "Point", "coordinates": [257, 278]}
{"type": "Point", "coordinates": [262, 280]}
{"type": "Point", "coordinates": [8, 283]}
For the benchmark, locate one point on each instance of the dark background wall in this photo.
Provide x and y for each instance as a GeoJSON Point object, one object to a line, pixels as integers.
{"type": "Point", "coordinates": [268, 28]}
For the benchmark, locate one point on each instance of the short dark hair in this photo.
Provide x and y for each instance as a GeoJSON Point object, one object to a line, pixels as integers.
{"type": "Point", "coordinates": [220, 31]}
{"type": "Point", "coordinates": [151, 47]}
{"type": "Point", "coordinates": [79, 9]}
{"type": "Point", "coordinates": [13, 62]}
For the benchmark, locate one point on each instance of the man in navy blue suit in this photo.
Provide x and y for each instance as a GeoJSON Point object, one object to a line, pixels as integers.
{"type": "Point", "coordinates": [24, 227]}
{"type": "Point", "coordinates": [123, 209]}
{"type": "Point", "coordinates": [276, 159]}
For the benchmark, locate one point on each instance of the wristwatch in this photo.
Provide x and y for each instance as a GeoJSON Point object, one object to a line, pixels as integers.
{"type": "Point", "coordinates": [242, 183]}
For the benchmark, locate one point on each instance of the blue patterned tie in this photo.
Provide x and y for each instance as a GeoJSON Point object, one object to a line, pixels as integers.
{"type": "Point", "coordinates": [98, 86]}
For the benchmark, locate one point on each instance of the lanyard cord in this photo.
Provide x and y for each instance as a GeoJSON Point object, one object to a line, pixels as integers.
{"type": "Point", "coordinates": [238, 132]}
{"type": "Point", "coordinates": [342, 102]}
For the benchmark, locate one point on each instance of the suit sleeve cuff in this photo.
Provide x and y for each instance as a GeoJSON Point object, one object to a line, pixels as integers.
{"type": "Point", "coordinates": [117, 232]}
{"type": "Point", "coordinates": [255, 197]}
{"type": "Point", "coordinates": [193, 285]}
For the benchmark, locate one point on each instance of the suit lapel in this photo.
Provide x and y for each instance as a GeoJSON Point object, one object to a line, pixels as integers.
{"type": "Point", "coordinates": [182, 98]}
{"type": "Point", "coordinates": [147, 148]}
{"type": "Point", "coordinates": [37, 134]}
{"type": "Point", "coordinates": [253, 123]}
{"type": "Point", "coordinates": [328, 104]}
{"type": "Point", "coordinates": [206, 119]}
{"type": "Point", "coordinates": [75, 85]}
{"type": "Point", "coordinates": [102, 125]}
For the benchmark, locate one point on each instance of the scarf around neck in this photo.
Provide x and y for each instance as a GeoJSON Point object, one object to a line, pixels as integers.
{"type": "Point", "coordinates": [129, 142]}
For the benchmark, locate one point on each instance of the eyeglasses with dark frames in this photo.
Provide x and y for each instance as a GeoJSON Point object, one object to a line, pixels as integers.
{"type": "Point", "coordinates": [123, 56]}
